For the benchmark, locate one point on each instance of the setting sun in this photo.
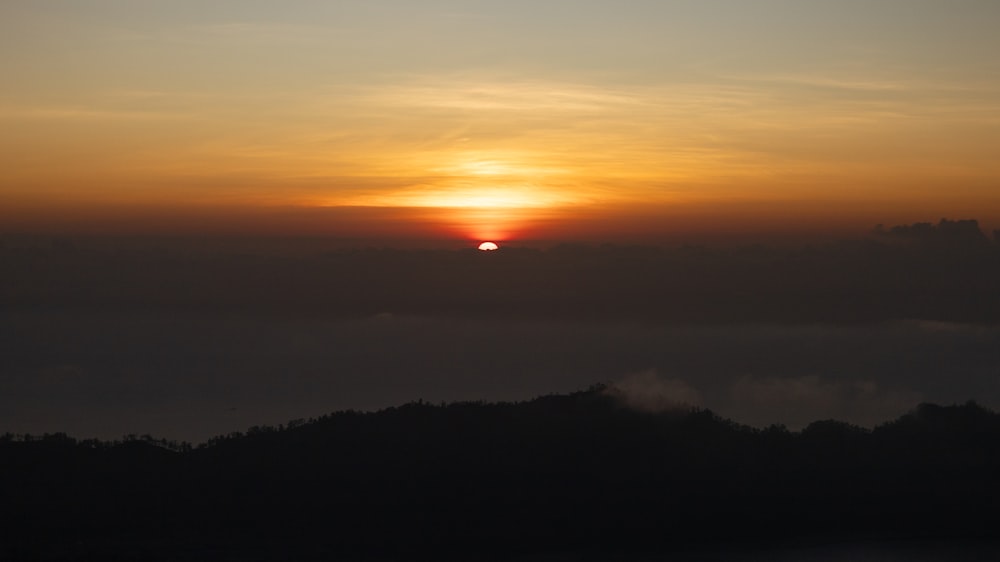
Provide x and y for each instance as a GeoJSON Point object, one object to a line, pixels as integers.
{"type": "Point", "coordinates": [488, 246]}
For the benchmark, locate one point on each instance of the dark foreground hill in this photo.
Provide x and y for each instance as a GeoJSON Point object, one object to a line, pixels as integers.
{"type": "Point", "coordinates": [559, 474]}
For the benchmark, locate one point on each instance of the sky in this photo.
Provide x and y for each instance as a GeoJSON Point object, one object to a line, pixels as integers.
{"type": "Point", "coordinates": [509, 121]}
{"type": "Point", "coordinates": [308, 180]}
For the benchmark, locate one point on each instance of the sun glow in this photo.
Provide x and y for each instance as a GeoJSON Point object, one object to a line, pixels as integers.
{"type": "Point", "coordinates": [486, 168]}
{"type": "Point", "coordinates": [477, 194]}
{"type": "Point", "coordinates": [483, 198]}
{"type": "Point", "coordinates": [489, 212]}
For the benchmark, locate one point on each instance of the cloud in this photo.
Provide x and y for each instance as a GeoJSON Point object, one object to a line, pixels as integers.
{"type": "Point", "coordinates": [496, 94]}
{"type": "Point", "coordinates": [794, 401]}
{"type": "Point", "coordinates": [83, 113]}
{"type": "Point", "coordinates": [229, 33]}
{"type": "Point", "coordinates": [799, 400]}
{"type": "Point", "coordinates": [647, 391]}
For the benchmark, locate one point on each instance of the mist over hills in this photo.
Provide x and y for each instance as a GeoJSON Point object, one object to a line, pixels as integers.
{"type": "Point", "coordinates": [191, 338]}
{"type": "Point", "coordinates": [580, 474]}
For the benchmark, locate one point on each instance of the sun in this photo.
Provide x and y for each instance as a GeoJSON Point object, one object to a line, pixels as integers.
{"type": "Point", "coordinates": [488, 246]}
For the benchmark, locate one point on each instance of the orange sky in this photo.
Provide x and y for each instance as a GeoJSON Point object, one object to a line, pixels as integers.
{"type": "Point", "coordinates": [509, 121]}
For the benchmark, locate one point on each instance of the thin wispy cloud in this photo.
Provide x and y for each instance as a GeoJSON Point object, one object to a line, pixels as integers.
{"type": "Point", "coordinates": [83, 114]}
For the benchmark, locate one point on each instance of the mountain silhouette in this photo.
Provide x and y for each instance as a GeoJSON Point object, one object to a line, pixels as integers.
{"type": "Point", "coordinates": [577, 473]}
